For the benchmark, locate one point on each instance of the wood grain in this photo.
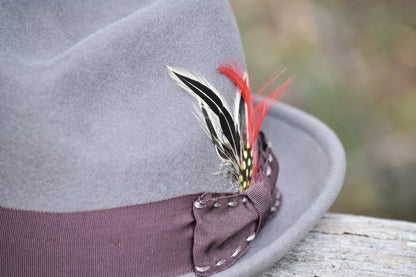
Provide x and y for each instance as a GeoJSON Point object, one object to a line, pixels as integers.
{"type": "Point", "coordinates": [349, 245]}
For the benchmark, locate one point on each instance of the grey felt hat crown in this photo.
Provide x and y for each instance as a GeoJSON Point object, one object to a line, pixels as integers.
{"type": "Point", "coordinates": [90, 118]}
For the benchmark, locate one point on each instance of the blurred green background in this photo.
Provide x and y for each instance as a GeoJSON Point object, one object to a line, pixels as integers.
{"type": "Point", "coordinates": [355, 67]}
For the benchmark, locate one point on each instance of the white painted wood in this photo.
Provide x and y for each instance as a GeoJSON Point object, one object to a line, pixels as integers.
{"type": "Point", "coordinates": [349, 245]}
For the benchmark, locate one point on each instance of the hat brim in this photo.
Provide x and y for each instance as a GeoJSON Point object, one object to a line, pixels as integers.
{"type": "Point", "coordinates": [312, 169]}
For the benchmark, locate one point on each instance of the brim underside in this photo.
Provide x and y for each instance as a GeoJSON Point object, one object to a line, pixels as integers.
{"type": "Point", "coordinates": [312, 168]}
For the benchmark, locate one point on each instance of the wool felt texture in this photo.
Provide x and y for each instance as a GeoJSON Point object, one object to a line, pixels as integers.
{"type": "Point", "coordinates": [90, 118]}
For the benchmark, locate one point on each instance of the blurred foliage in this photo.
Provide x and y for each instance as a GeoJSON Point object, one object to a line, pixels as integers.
{"type": "Point", "coordinates": [355, 68]}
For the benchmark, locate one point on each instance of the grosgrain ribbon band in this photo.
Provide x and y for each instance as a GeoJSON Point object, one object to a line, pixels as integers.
{"type": "Point", "coordinates": [142, 240]}
{"type": "Point", "coordinates": [202, 233]}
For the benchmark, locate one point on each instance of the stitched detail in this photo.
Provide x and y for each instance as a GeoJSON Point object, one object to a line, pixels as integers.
{"type": "Point", "coordinates": [268, 171]}
{"type": "Point", "coordinates": [232, 204]}
{"type": "Point", "coordinates": [236, 252]}
{"type": "Point", "coordinates": [270, 157]}
{"type": "Point", "coordinates": [221, 209]}
{"type": "Point", "coordinates": [202, 269]}
{"type": "Point", "coordinates": [220, 263]}
{"type": "Point", "coordinates": [199, 205]}
{"type": "Point", "coordinates": [250, 238]}
{"type": "Point", "coordinates": [273, 209]}
{"type": "Point", "coordinates": [277, 203]}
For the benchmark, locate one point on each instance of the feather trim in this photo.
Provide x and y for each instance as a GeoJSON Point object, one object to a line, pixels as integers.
{"type": "Point", "coordinates": [232, 133]}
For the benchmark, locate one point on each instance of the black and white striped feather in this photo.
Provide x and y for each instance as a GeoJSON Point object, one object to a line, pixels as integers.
{"type": "Point", "coordinates": [227, 130]}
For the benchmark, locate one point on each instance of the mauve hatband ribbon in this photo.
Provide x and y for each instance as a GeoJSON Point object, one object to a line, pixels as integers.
{"type": "Point", "coordinates": [202, 233]}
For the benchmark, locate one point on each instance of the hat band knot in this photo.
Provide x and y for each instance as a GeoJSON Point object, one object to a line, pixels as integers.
{"type": "Point", "coordinates": [227, 223]}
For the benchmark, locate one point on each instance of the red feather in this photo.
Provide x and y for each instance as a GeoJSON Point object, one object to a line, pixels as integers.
{"type": "Point", "coordinates": [262, 108]}
{"type": "Point", "coordinates": [233, 72]}
{"type": "Point", "coordinates": [255, 114]}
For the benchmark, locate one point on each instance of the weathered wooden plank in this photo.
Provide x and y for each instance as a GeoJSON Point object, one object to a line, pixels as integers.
{"type": "Point", "coordinates": [349, 245]}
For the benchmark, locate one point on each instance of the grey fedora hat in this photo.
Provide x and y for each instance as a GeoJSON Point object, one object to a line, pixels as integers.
{"type": "Point", "coordinates": [101, 158]}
